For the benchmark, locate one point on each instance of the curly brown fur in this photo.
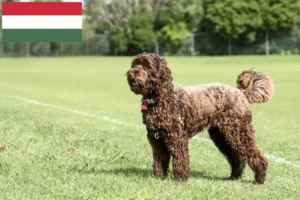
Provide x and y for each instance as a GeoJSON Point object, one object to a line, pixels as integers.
{"type": "Point", "coordinates": [184, 111]}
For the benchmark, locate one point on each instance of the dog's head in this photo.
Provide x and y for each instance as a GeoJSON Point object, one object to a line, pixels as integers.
{"type": "Point", "coordinates": [148, 74]}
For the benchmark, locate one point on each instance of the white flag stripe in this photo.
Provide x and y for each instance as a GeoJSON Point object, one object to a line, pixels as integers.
{"type": "Point", "coordinates": [42, 22]}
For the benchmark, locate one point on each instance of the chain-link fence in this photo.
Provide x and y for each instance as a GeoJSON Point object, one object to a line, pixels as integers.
{"type": "Point", "coordinates": [266, 43]}
{"type": "Point", "coordinates": [200, 44]}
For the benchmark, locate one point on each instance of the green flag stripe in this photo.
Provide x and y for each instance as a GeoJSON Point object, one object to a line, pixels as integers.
{"type": "Point", "coordinates": [42, 35]}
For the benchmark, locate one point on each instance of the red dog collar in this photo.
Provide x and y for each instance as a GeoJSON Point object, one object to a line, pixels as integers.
{"type": "Point", "coordinates": [146, 102]}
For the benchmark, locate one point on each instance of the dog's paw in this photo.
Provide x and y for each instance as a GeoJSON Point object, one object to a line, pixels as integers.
{"type": "Point", "coordinates": [259, 180]}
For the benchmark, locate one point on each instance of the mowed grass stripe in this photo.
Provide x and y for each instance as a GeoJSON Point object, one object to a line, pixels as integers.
{"type": "Point", "coordinates": [42, 35]}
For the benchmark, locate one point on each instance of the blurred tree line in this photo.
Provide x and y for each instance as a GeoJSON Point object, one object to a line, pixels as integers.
{"type": "Point", "coordinates": [214, 27]}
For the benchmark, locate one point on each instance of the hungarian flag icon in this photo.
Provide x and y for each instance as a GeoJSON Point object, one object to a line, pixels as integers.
{"type": "Point", "coordinates": [42, 21]}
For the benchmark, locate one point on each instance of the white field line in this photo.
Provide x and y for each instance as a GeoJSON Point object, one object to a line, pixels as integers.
{"type": "Point", "coordinates": [108, 119]}
{"type": "Point", "coordinates": [70, 110]}
{"type": "Point", "coordinates": [281, 160]}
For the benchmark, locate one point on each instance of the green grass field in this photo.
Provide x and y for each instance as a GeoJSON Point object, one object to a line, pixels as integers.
{"type": "Point", "coordinates": [82, 137]}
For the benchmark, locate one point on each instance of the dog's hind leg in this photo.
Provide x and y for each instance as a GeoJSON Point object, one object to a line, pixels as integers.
{"type": "Point", "coordinates": [161, 156]}
{"type": "Point", "coordinates": [237, 162]}
{"type": "Point", "coordinates": [241, 137]}
{"type": "Point", "coordinates": [256, 160]}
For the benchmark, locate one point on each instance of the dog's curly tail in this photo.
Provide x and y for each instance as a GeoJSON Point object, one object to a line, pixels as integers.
{"type": "Point", "coordinates": [257, 87]}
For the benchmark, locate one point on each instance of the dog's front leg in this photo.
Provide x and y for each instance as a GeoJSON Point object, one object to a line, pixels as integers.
{"type": "Point", "coordinates": [180, 154]}
{"type": "Point", "coordinates": [161, 156]}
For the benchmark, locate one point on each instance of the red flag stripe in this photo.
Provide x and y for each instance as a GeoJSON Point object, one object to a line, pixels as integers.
{"type": "Point", "coordinates": [41, 8]}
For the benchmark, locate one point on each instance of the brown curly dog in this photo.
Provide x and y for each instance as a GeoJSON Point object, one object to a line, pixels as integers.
{"type": "Point", "coordinates": [173, 114]}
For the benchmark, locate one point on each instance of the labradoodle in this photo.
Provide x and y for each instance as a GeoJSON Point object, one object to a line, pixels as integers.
{"type": "Point", "coordinates": [173, 114]}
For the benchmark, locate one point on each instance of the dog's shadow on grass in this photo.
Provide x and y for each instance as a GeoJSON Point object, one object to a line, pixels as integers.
{"type": "Point", "coordinates": [147, 173]}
